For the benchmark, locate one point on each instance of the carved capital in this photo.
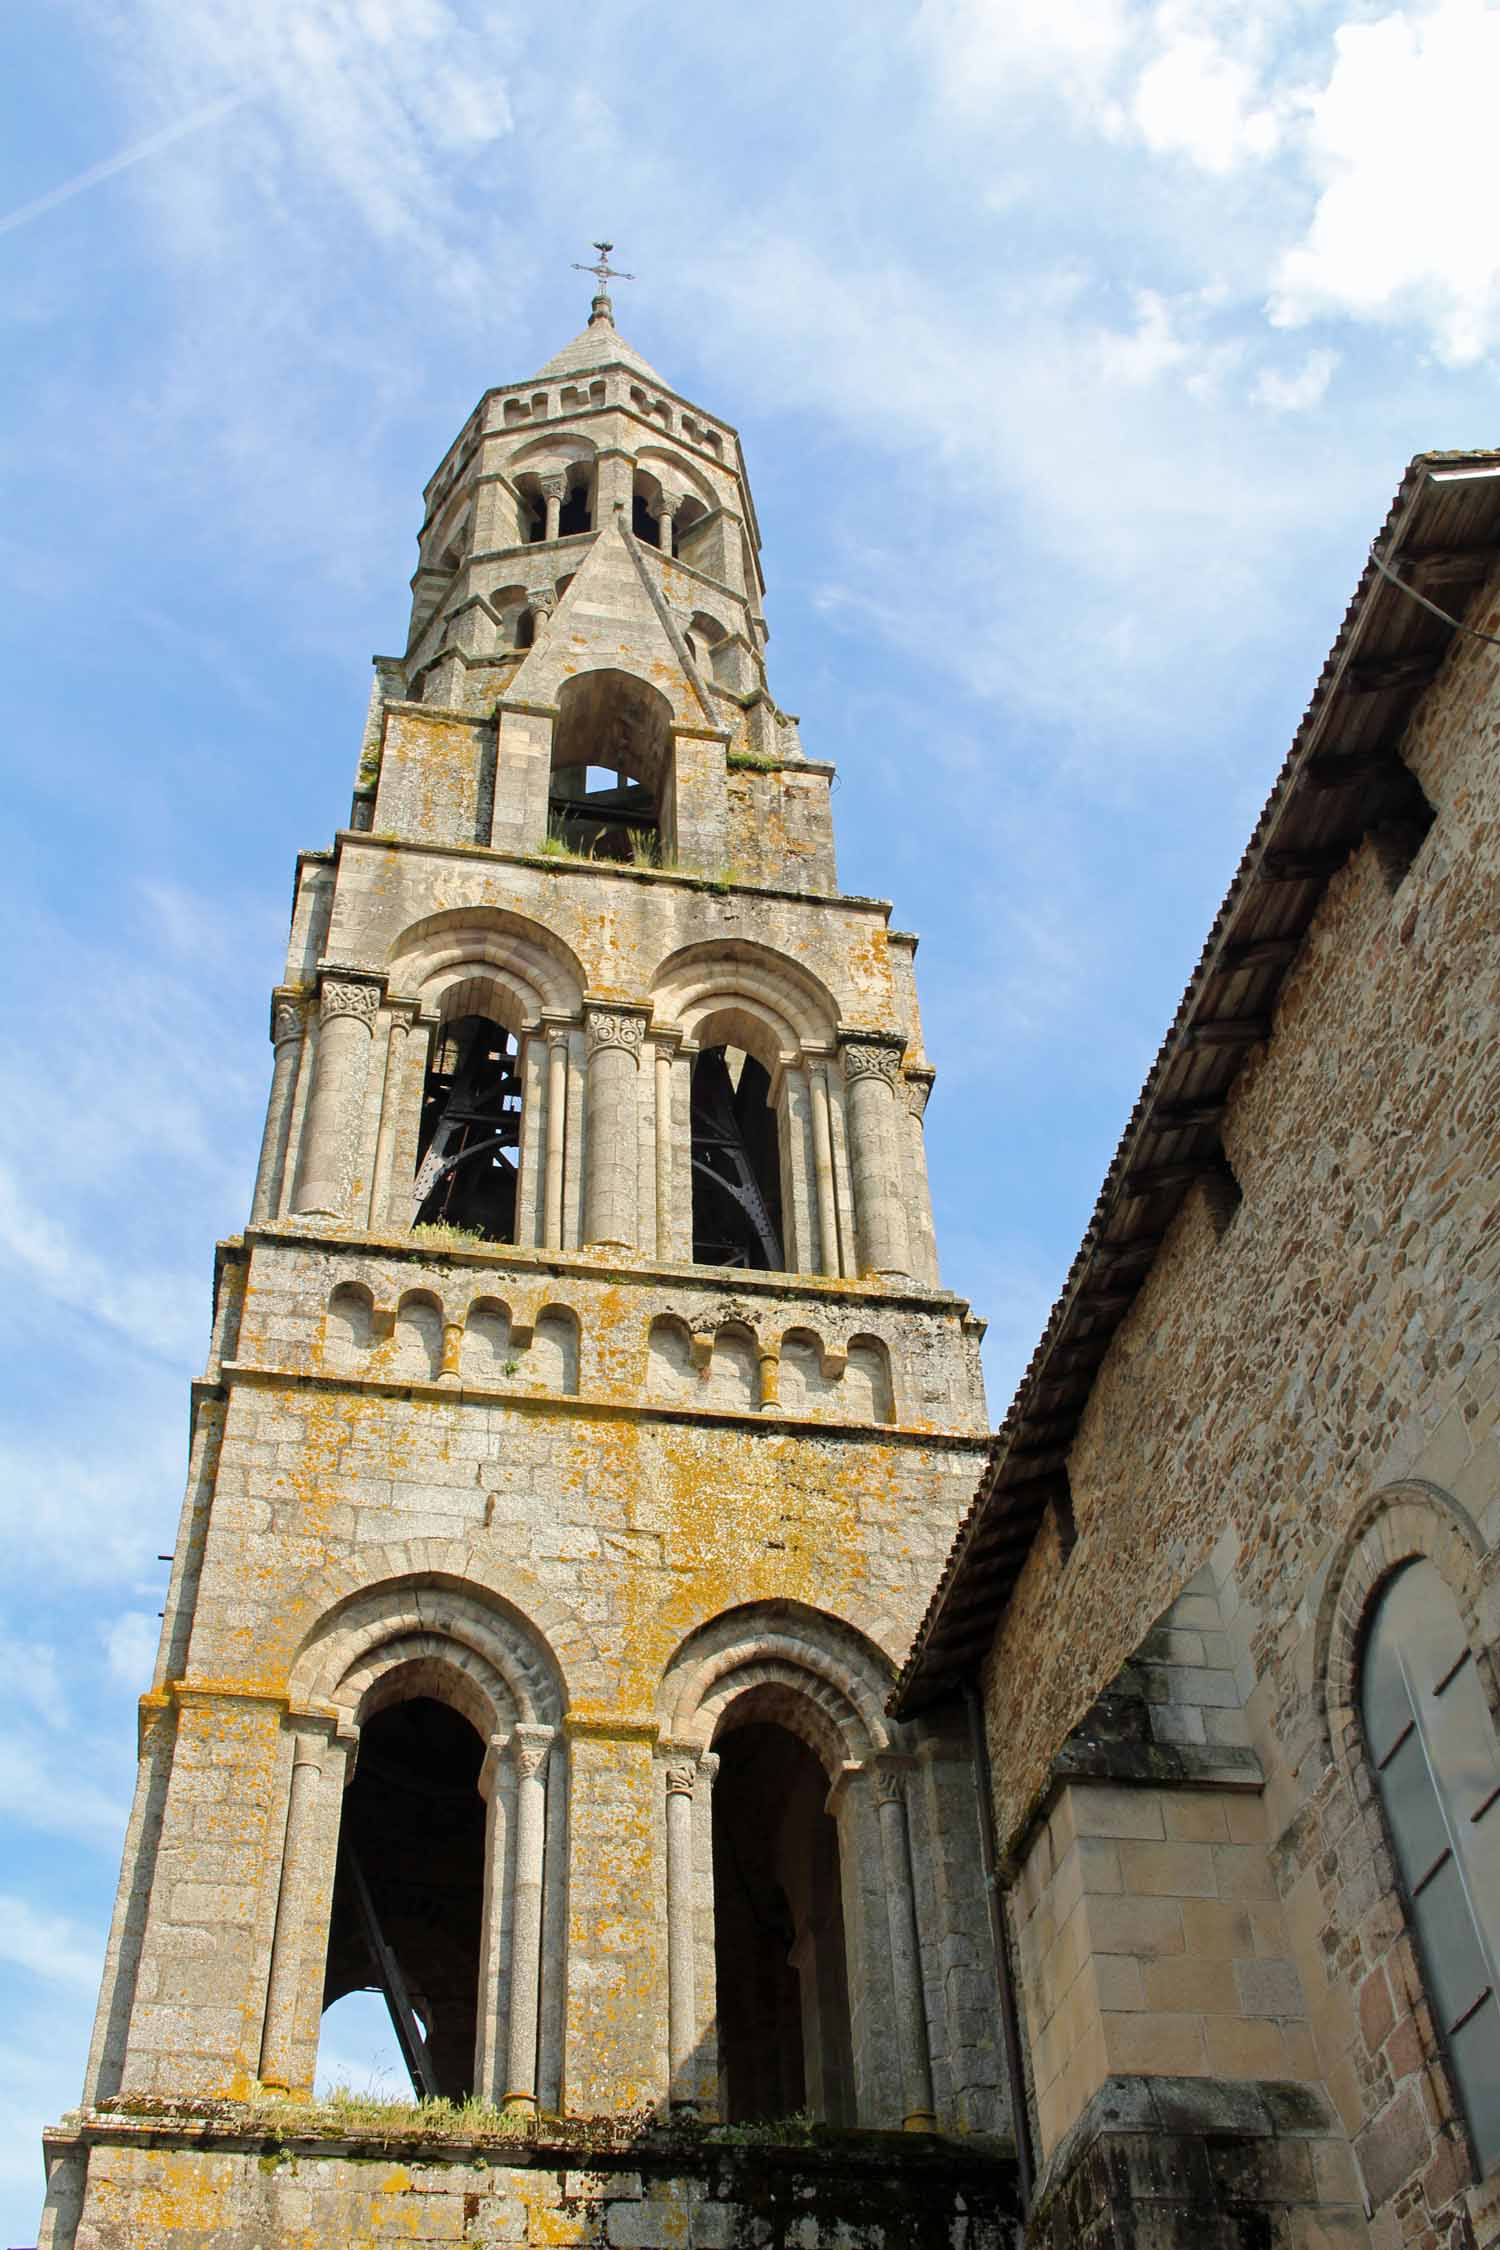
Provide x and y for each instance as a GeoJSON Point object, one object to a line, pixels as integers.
{"type": "Point", "coordinates": [288, 1016]}
{"type": "Point", "coordinates": [543, 599]}
{"type": "Point", "coordinates": [341, 996]}
{"type": "Point", "coordinates": [918, 1087]}
{"type": "Point", "coordinates": [666, 504]}
{"type": "Point", "coordinates": [872, 1058]}
{"type": "Point", "coordinates": [530, 1747]}
{"type": "Point", "coordinates": [613, 1027]}
{"type": "Point", "coordinates": [890, 1784]}
{"type": "Point", "coordinates": [554, 485]}
{"type": "Point", "coordinates": [682, 1775]}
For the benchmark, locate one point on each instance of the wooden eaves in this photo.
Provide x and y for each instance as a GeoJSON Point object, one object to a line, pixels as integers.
{"type": "Point", "coordinates": [1343, 779]}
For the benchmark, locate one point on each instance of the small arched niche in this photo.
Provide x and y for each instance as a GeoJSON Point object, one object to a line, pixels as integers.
{"type": "Point", "coordinates": [409, 1887]}
{"type": "Point", "coordinates": [468, 1147]}
{"type": "Point", "coordinates": [610, 759]}
{"type": "Point", "coordinates": [781, 1960]}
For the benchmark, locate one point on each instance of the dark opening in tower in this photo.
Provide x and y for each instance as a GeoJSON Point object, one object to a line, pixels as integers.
{"type": "Point", "coordinates": [782, 1979]}
{"type": "Point", "coordinates": [576, 513]}
{"type": "Point", "coordinates": [469, 1144]}
{"type": "Point", "coordinates": [610, 754]}
{"type": "Point", "coordinates": [408, 1899]}
{"type": "Point", "coordinates": [736, 1163]}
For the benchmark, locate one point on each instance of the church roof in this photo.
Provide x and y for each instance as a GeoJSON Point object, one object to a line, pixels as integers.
{"type": "Point", "coordinates": [600, 345]}
{"type": "Point", "coordinates": [1342, 777]}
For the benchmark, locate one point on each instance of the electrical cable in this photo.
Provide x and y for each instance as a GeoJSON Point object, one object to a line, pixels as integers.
{"type": "Point", "coordinates": [1457, 623]}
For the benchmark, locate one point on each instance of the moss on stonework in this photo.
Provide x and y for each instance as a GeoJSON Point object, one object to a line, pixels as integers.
{"type": "Point", "coordinates": [753, 761]}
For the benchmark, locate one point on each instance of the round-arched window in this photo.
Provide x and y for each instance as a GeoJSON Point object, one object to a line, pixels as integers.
{"type": "Point", "coordinates": [1432, 1742]}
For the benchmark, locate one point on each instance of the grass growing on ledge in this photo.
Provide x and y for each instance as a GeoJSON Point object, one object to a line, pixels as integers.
{"type": "Point", "coordinates": [753, 761]}
{"type": "Point", "coordinates": [393, 2113]}
{"type": "Point", "coordinates": [763, 2132]}
{"type": "Point", "coordinates": [443, 1237]}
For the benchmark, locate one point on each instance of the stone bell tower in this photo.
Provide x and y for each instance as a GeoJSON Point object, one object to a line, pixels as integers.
{"type": "Point", "coordinates": [583, 1426]}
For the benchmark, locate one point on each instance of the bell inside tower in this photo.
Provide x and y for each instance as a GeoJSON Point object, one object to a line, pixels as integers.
{"type": "Point", "coordinates": [736, 1167]}
{"type": "Point", "coordinates": [469, 1145]}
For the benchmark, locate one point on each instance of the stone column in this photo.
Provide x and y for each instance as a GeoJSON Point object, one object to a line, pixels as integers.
{"type": "Point", "coordinates": [871, 1065]}
{"type": "Point", "coordinates": [303, 1904]}
{"type": "Point", "coordinates": [682, 2010]}
{"type": "Point", "coordinates": [390, 1110]}
{"type": "Point", "coordinates": [557, 1116]}
{"type": "Point", "coordinates": [346, 1017]}
{"type": "Point", "coordinates": [822, 1141]}
{"type": "Point", "coordinates": [554, 491]}
{"type": "Point", "coordinates": [906, 1957]}
{"type": "Point", "coordinates": [610, 1190]}
{"type": "Point", "coordinates": [287, 1017]}
{"type": "Point", "coordinates": [530, 1747]}
{"type": "Point", "coordinates": [664, 1050]}
{"type": "Point", "coordinates": [665, 512]}
{"type": "Point", "coordinates": [487, 2086]}
{"type": "Point", "coordinates": [541, 601]}
{"type": "Point", "coordinates": [917, 1085]}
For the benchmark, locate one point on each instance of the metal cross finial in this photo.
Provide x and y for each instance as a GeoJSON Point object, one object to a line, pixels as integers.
{"type": "Point", "coordinates": [604, 270]}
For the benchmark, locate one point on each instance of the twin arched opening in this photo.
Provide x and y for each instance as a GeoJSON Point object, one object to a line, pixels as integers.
{"type": "Point", "coordinates": [427, 1844]}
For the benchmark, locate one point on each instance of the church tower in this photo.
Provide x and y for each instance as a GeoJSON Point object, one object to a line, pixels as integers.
{"type": "Point", "coordinates": [583, 1428]}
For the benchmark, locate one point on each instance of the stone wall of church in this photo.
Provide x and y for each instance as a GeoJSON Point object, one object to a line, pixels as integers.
{"type": "Point", "coordinates": [1295, 1403]}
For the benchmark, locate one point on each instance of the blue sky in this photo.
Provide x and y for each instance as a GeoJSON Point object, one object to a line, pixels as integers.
{"type": "Point", "coordinates": [1077, 349]}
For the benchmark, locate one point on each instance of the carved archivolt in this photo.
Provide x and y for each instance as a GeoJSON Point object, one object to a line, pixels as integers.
{"type": "Point", "coordinates": [775, 1006]}
{"type": "Point", "coordinates": [808, 1671]}
{"type": "Point", "coordinates": [426, 1636]}
{"type": "Point", "coordinates": [529, 966]}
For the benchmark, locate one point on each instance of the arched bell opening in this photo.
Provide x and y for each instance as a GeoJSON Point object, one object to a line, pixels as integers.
{"type": "Point", "coordinates": [469, 1144]}
{"type": "Point", "coordinates": [736, 1163]}
{"type": "Point", "coordinates": [645, 502]}
{"type": "Point", "coordinates": [611, 754]}
{"type": "Point", "coordinates": [577, 513]}
{"type": "Point", "coordinates": [780, 1959]}
{"type": "Point", "coordinates": [408, 1900]}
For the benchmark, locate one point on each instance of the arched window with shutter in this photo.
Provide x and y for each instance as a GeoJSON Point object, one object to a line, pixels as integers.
{"type": "Point", "coordinates": [1432, 1743]}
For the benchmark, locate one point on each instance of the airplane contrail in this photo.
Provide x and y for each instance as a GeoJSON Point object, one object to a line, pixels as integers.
{"type": "Point", "coordinates": [153, 142]}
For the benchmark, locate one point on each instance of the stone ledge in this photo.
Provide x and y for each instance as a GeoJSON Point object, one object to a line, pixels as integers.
{"type": "Point", "coordinates": [178, 2174]}
{"type": "Point", "coordinates": [634, 1272]}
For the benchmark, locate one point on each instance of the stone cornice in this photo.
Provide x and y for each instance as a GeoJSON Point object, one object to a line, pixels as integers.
{"type": "Point", "coordinates": [537, 1265]}
{"type": "Point", "coordinates": [604, 870]}
{"type": "Point", "coordinates": [571, 1406]}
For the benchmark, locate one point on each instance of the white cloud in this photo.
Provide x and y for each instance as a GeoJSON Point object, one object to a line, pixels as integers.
{"type": "Point", "coordinates": [379, 100]}
{"type": "Point", "coordinates": [51, 1947]}
{"type": "Point", "coordinates": [31, 1677]}
{"type": "Point", "coordinates": [986, 51]}
{"type": "Point", "coordinates": [130, 1649]}
{"type": "Point", "coordinates": [35, 1794]}
{"type": "Point", "coordinates": [1195, 99]}
{"type": "Point", "coordinates": [1300, 392]}
{"type": "Point", "coordinates": [1402, 137]}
